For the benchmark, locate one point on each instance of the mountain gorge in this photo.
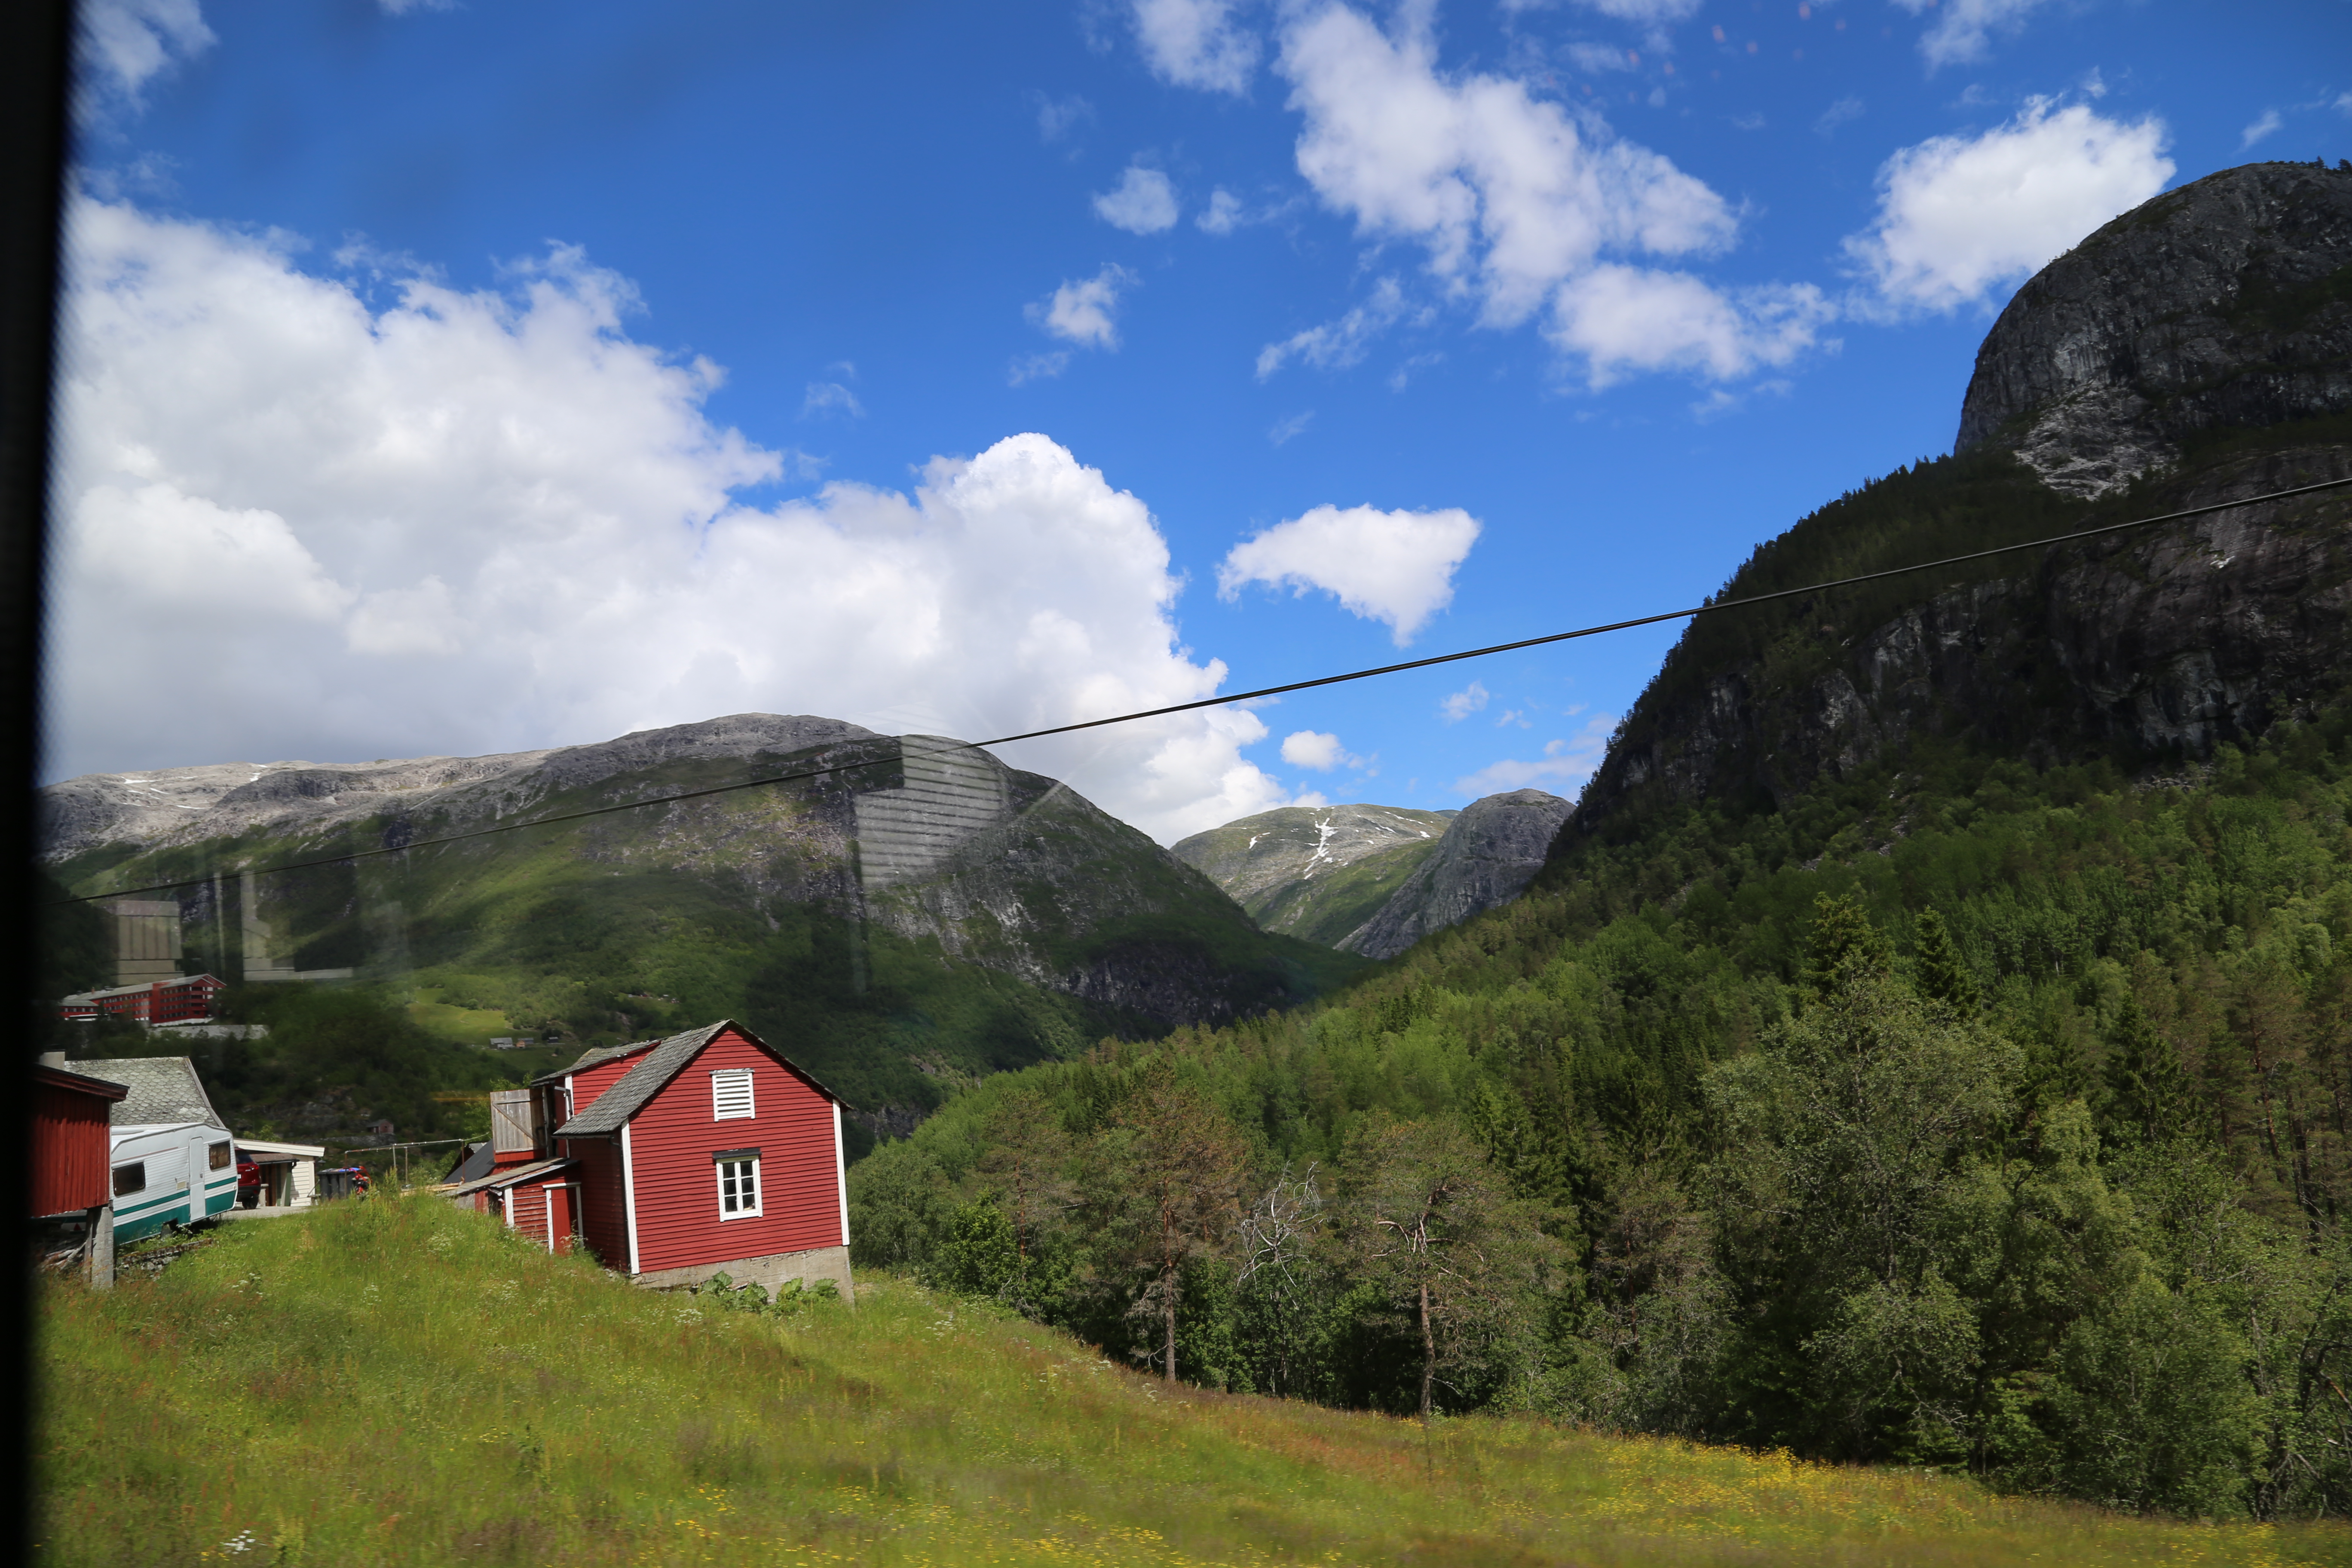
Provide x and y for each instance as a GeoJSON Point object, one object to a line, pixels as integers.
{"type": "Point", "coordinates": [1374, 879]}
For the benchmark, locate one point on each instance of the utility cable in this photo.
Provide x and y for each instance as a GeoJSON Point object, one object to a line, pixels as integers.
{"type": "Point", "coordinates": [1706, 609]}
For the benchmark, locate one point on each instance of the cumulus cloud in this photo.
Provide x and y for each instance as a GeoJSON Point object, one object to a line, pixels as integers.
{"type": "Point", "coordinates": [126, 44]}
{"type": "Point", "coordinates": [1143, 203]}
{"type": "Point", "coordinates": [1961, 215]}
{"type": "Point", "coordinates": [1964, 28]}
{"type": "Point", "coordinates": [1082, 312]}
{"type": "Point", "coordinates": [1515, 199]}
{"type": "Point", "coordinates": [1196, 43]}
{"type": "Point", "coordinates": [1621, 319]}
{"type": "Point", "coordinates": [1460, 705]}
{"type": "Point", "coordinates": [1391, 566]}
{"type": "Point", "coordinates": [1315, 751]}
{"type": "Point", "coordinates": [1223, 214]}
{"type": "Point", "coordinates": [458, 522]}
{"type": "Point", "coordinates": [1563, 767]}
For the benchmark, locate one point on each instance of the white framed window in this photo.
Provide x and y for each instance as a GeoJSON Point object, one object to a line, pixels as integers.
{"type": "Point", "coordinates": [730, 1094]}
{"type": "Point", "coordinates": [739, 1183]}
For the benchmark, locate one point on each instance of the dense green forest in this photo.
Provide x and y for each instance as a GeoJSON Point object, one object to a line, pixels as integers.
{"type": "Point", "coordinates": [1956, 1113]}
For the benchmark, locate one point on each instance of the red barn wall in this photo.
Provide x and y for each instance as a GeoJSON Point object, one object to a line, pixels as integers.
{"type": "Point", "coordinates": [70, 1150]}
{"type": "Point", "coordinates": [527, 1210]}
{"type": "Point", "coordinates": [586, 1086]}
{"type": "Point", "coordinates": [604, 1216]}
{"type": "Point", "coordinates": [671, 1140]}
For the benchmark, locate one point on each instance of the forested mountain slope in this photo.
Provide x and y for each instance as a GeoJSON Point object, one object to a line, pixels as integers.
{"type": "Point", "coordinates": [914, 915]}
{"type": "Point", "coordinates": [1929, 1041]}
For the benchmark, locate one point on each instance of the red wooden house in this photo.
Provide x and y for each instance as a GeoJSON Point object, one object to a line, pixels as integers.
{"type": "Point", "coordinates": [679, 1159]}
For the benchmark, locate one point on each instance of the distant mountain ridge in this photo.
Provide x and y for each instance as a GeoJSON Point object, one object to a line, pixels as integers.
{"type": "Point", "coordinates": [915, 915]}
{"type": "Point", "coordinates": [1374, 879]}
{"type": "Point", "coordinates": [1316, 872]}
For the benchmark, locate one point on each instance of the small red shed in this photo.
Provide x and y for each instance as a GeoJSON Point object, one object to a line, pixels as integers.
{"type": "Point", "coordinates": [72, 1196]}
{"type": "Point", "coordinates": [71, 1116]}
{"type": "Point", "coordinates": [703, 1153]}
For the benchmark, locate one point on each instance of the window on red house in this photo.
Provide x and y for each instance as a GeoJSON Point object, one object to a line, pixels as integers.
{"type": "Point", "coordinates": [739, 1183]}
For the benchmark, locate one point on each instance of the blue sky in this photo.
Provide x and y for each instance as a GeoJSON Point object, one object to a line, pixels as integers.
{"type": "Point", "coordinates": [477, 377]}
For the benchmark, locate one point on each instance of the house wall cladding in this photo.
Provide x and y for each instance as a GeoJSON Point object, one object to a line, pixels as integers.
{"type": "Point", "coordinates": [70, 1130]}
{"type": "Point", "coordinates": [671, 1142]}
{"type": "Point", "coordinates": [601, 1222]}
{"type": "Point", "coordinates": [586, 1086]}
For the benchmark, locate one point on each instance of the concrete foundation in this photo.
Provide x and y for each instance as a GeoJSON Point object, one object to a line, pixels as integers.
{"type": "Point", "coordinates": [771, 1273]}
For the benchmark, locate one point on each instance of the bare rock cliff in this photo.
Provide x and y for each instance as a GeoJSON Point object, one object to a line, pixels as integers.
{"type": "Point", "coordinates": [1491, 850]}
{"type": "Point", "coordinates": [2226, 302]}
{"type": "Point", "coordinates": [2202, 342]}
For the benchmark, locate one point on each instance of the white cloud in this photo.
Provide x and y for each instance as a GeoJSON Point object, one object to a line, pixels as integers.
{"type": "Point", "coordinates": [1460, 705]}
{"type": "Point", "coordinates": [1037, 367]}
{"type": "Point", "coordinates": [1057, 117]}
{"type": "Point", "coordinates": [1196, 43]}
{"type": "Point", "coordinates": [1836, 114]}
{"type": "Point", "coordinates": [1335, 345]}
{"type": "Point", "coordinates": [1958, 217]}
{"type": "Point", "coordinates": [469, 521]}
{"type": "Point", "coordinates": [1223, 214]}
{"type": "Point", "coordinates": [1311, 748]}
{"type": "Point", "coordinates": [1594, 60]}
{"type": "Point", "coordinates": [1562, 768]}
{"type": "Point", "coordinates": [1964, 28]}
{"type": "Point", "coordinates": [126, 44]}
{"type": "Point", "coordinates": [1081, 312]}
{"type": "Point", "coordinates": [1654, 12]}
{"type": "Point", "coordinates": [1144, 202]}
{"type": "Point", "coordinates": [1392, 566]}
{"type": "Point", "coordinates": [825, 396]}
{"type": "Point", "coordinates": [1289, 429]}
{"type": "Point", "coordinates": [1622, 318]}
{"type": "Point", "coordinates": [2268, 124]}
{"type": "Point", "coordinates": [1516, 199]}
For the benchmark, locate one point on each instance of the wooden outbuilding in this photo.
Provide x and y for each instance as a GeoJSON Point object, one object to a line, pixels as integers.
{"type": "Point", "coordinates": [703, 1153]}
{"type": "Point", "coordinates": [72, 1197]}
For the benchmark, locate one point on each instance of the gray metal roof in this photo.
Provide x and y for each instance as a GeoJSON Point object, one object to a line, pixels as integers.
{"type": "Point", "coordinates": [162, 1090]}
{"type": "Point", "coordinates": [507, 1177]}
{"type": "Point", "coordinates": [646, 1080]}
{"type": "Point", "coordinates": [589, 1060]}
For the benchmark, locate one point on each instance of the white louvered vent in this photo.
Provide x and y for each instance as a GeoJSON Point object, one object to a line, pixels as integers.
{"type": "Point", "coordinates": [730, 1094]}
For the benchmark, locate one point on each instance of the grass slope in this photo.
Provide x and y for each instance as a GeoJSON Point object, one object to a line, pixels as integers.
{"type": "Point", "coordinates": [397, 1382]}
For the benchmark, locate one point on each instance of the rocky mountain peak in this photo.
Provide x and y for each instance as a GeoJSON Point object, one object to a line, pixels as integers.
{"type": "Point", "coordinates": [2226, 302]}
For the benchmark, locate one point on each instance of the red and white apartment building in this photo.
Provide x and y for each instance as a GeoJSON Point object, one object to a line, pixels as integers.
{"type": "Point", "coordinates": [676, 1160]}
{"type": "Point", "coordinates": [184, 999]}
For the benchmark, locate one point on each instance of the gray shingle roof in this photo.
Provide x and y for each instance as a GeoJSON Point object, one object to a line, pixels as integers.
{"type": "Point", "coordinates": [589, 1060]}
{"type": "Point", "coordinates": [162, 1090]}
{"type": "Point", "coordinates": [646, 1080]}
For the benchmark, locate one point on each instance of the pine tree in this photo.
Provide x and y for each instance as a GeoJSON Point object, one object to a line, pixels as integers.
{"type": "Point", "coordinates": [2149, 1089]}
{"type": "Point", "coordinates": [1943, 975]}
{"type": "Point", "coordinates": [1845, 946]}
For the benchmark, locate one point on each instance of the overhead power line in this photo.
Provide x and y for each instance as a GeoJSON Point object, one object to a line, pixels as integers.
{"type": "Point", "coordinates": [1716, 607]}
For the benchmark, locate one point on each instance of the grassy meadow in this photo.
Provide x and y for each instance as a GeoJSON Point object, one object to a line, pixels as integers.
{"type": "Point", "coordinates": [397, 1382]}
